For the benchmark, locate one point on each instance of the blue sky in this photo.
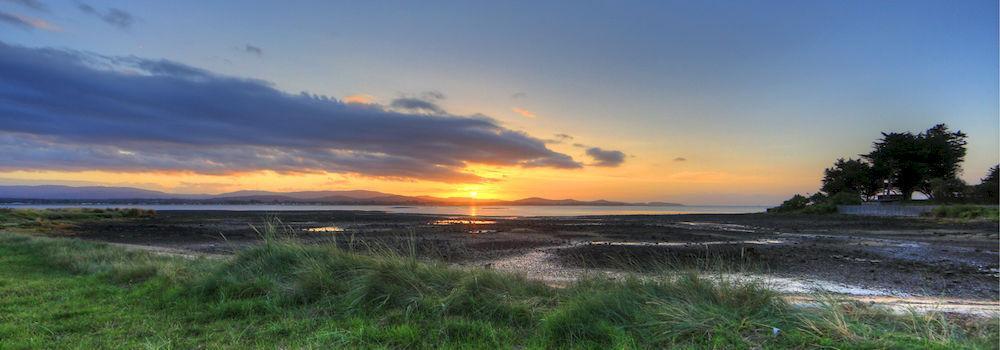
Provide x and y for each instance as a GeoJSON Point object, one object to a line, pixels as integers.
{"type": "Point", "coordinates": [734, 87]}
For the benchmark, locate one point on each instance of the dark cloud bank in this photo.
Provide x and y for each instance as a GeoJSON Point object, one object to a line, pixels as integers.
{"type": "Point", "coordinates": [66, 110]}
{"type": "Point", "coordinates": [16, 20]}
{"type": "Point", "coordinates": [416, 105]}
{"type": "Point", "coordinates": [113, 16]}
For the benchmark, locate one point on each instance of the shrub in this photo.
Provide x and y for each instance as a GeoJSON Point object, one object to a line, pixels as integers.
{"type": "Point", "coordinates": [796, 203]}
{"type": "Point", "coordinates": [844, 198]}
{"type": "Point", "coordinates": [967, 212]}
{"type": "Point", "coordinates": [817, 203]}
{"type": "Point", "coordinates": [137, 213]}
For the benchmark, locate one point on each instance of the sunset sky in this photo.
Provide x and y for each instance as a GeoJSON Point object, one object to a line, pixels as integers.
{"type": "Point", "coordinates": [741, 102]}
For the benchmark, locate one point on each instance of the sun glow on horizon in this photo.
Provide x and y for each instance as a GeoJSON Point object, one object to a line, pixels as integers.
{"type": "Point", "coordinates": [510, 184]}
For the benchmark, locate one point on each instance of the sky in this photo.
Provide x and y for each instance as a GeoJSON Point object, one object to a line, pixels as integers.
{"type": "Point", "coordinates": [698, 102]}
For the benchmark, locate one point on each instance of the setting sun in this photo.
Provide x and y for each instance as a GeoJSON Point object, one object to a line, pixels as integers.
{"type": "Point", "coordinates": [473, 194]}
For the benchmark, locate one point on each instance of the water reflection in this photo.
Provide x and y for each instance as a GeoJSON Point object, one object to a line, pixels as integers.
{"type": "Point", "coordinates": [325, 229]}
{"type": "Point", "coordinates": [463, 222]}
{"type": "Point", "coordinates": [520, 211]}
{"type": "Point", "coordinates": [628, 243]}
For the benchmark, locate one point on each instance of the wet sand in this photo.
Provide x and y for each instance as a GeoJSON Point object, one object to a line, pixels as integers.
{"type": "Point", "coordinates": [873, 257]}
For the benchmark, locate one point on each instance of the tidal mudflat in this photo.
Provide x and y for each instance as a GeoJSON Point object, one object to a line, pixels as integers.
{"type": "Point", "coordinates": [889, 257]}
{"type": "Point", "coordinates": [376, 280]}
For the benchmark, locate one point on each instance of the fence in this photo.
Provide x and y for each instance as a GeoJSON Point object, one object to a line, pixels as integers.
{"type": "Point", "coordinates": [885, 209]}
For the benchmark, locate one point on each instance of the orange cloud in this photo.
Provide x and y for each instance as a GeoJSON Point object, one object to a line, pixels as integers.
{"type": "Point", "coordinates": [359, 99]}
{"type": "Point", "coordinates": [28, 22]}
{"type": "Point", "coordinates": [524, 112]}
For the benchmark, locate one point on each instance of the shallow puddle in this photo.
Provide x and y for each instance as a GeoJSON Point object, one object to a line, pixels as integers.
{"type": "Point", "coordinates": [325, 229]}
{"type": "Point", "coordinates": [720, 227]}
{"type": "Point", "coordinates": [681, 244]}
{"type": "Point", "coordinates": [463, 222]}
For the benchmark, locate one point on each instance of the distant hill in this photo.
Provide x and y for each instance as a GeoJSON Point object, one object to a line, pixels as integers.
{"type": "Point", "coordinates": [307, 194]}
{"type": "Point", "coordinates": [72, 194]}
{"type": "Point", "coordinates": [543, 201]}
{"type": "Point", "coordinates": [86, 193]}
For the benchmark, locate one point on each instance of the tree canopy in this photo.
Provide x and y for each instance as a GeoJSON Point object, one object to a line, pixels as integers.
{"type": "Point", "coordinates": [988, 190]}
{"type": "Point", "coordinates": [900, 163]}
{"type": "Point", "coordinates": [916, 162]}
{"type": "Point", "coordinates": [903, 162]}
{"type": "Point", "coordinates": [852, 176]}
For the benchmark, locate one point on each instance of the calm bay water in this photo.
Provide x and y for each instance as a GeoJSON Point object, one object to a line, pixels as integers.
{"type": "Point", "coordinates": [554, 210]}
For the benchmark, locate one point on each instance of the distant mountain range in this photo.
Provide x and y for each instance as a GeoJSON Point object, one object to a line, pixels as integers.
{"type": "Point", "coordinates": [100, 194]}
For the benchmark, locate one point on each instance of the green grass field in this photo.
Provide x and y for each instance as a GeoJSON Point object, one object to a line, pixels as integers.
{"type": "Point", "coordinates": [67, 293]}
{"type": "Point", "coordinates": [966, 212]}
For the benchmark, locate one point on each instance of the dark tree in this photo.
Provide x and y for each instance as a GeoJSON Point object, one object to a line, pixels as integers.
{"type": "Point", "coordinates": [900, 157]}
{"type": "Point", "coordinates": [919, 162]}
{"type": "Point", "coordinates": [987, 190]}
{"type": "Point", "coordinates": [796, 203]}
{"type": "Point", "coordinates": [851, 176]}
{"type": "Point", "coordinates": [944, 152]}
{"type": "Point", "coordinates": [948, 189]}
